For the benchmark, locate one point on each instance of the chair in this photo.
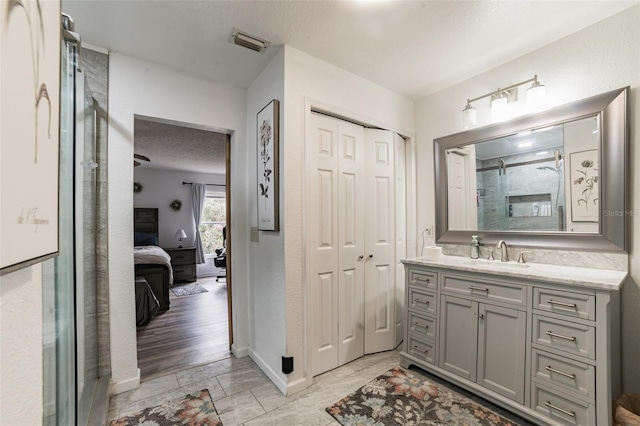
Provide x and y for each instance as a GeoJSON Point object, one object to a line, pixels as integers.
{"type": "Point", "coordinates": [220, 261]}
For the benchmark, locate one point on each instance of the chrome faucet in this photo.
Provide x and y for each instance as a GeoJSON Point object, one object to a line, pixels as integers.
{"type": "Point", "coordinates": [504, 255]}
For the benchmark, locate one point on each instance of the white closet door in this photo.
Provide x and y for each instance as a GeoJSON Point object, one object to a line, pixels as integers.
{"type": "Point", "coordinates": [457, 194]}
{"type": "Point", "coordinates": [323, 244]}
{"type": "Point", "coordinates": [401, 233]}
{"type": "Point", "coordinates": [380, 265]}
{"type": "Point", "coordinates": [351, 198]}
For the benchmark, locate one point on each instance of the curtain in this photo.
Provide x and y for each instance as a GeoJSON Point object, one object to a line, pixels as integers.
{"type": "Point", "coordinates": [199, 192]}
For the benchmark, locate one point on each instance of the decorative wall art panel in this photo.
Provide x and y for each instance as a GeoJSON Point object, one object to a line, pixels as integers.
{"type": "Point", "coordinates": [29, 131]}
{"type": "Point", "coordinates": [268, 173]}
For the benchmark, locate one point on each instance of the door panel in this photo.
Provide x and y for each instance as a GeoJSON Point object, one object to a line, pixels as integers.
{"type": "Point", "coordinates": [323, 236]}
{"type": "Point", "coordinates": [380, 241]}
{"type": "Point", "coordinates": [351, 241]}
{"type": "Point", "coordinates": [458, 336]}
{"type": "Point", "coordinates": [401, 233]}
{"type": "Point", "coordinates": [501, 350]}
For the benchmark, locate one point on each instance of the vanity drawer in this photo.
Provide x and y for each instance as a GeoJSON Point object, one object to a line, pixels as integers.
{"type": "Point", "coordinates": [423, 279]}
{"type": "Point", "coordinates": [422, 327]}
{"type": "Point", "coordinates": [499, 292]}
{"type": "Point", "coordinates": [566, 303]}
{"type": "Point", "coordinates": [561, 408]}
{"type": "Point", "coordinates": [574, 376]}
{"type": "Point", "coordinates": [422, 301]}
{"type": "Point", "coordinates": [419, 349]}
{"type": "Point", "coordinates": [565, 336]}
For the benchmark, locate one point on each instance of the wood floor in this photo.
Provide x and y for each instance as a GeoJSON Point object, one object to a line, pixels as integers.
{"type": "Point", "coordinates": [192, 332]}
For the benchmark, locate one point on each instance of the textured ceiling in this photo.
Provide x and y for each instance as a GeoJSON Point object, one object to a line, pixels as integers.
{"type": "Point", "coordinates": [175, 147]}
{"type": "Point", "coordinates": [410, 47]}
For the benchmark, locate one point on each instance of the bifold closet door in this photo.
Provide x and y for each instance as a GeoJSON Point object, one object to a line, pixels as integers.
{"type": "Point", "coordinates": [336, 233]}
{"type": "Point", "coordinates": [380, 265]}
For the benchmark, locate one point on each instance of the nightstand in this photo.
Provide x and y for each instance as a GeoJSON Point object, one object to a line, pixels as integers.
{"type": "Point", "coordinates": [183, 262]}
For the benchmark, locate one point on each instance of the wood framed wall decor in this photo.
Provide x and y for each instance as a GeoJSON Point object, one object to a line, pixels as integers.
{"type": "Point", "coordinates": [29, 135]}
{"type": "Point", "coordinates": [267, 143]}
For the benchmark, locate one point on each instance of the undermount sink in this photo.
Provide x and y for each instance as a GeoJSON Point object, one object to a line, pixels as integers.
{"type": "Point", "coordinates": [495, 263]}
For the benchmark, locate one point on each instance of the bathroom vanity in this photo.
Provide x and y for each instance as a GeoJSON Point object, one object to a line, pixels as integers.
{"type": "Point", "coordinates": [541, 340]}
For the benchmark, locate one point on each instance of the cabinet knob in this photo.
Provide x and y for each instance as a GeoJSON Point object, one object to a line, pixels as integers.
{"type": "Point", "coordinates": [481, 316]}
{"type": "Point", "coordinates": [370, 256]}
{"type": "Point", "coordinates": [361, 257]}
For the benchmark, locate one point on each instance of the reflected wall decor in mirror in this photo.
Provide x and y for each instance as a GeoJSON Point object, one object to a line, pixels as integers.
{"type": "Point", "coordinates": [555, 179]}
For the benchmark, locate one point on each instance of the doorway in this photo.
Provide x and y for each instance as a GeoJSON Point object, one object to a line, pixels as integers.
{"type": "Point", "coordinates": [184, 173]}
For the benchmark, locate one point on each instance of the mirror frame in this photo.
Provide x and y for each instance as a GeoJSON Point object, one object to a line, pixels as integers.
{"type": "Point", "coordinates": [612, 113]}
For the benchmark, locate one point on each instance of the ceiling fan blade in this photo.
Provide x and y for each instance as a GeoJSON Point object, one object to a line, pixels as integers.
{"type": "Point", "coordinates": [141, 157]}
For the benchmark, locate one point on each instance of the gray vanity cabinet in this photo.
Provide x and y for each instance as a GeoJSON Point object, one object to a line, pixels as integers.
{"type": "Point", "coordinates": [548, 351]}
{"type": "Point", "coordinates": [484, 343]}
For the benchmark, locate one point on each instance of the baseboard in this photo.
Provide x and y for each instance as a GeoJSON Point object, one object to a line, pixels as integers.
{"type": "Point", "coordinates": [297, 385]}
{"type": "Point", "coordinates": [239, 352]}
{"type": "Point", "coordinates": [125, 385]}
{"type": "Point", "coordinates": [275, 378]}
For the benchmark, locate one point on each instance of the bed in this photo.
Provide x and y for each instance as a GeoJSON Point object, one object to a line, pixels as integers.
{"type": "Point", "coordinates": [150, 261]}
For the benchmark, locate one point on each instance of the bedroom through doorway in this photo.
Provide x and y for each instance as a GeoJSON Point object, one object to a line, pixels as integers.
{"type": "Point", "coordinates": [181, 213]}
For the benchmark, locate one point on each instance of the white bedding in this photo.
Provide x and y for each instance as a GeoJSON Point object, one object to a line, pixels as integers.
{"type": "Point", "coordinates": [152, 254]}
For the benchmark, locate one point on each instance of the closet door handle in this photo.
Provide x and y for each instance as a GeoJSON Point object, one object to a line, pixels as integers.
{"type": "Point", "coordinates": [568, 413]}
{"type": "Point", "coordinates": [560, 336]}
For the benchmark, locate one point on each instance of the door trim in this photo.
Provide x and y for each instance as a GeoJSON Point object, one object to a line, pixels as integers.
{"type": "Point", "coordinates": [227, 177]}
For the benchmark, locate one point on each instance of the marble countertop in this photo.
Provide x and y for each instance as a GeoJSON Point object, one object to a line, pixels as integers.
{"type": "Point", "coordinates": [599, 279]}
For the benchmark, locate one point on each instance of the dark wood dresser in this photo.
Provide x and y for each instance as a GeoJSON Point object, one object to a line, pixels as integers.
{"type": "Point", "coordinates": [183, 262]}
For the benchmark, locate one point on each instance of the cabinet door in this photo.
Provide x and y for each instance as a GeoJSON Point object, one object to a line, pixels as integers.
{"type": "Point", "coordinates": [501, 350]}
{"type": "Point", "coordinates": [458, 336]}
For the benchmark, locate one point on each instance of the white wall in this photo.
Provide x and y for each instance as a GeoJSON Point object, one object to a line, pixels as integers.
{"type": "Point", "coordinates": [140, 87]}
{"type": "Point", "coordinates": [21, 347]}
{"type": "Point", "coordinates": [160, 187]}
{"type": "Point", "coordinates": [308, 78]}
{"type": "Point", "coordinates": [600, 58]}
{"type": "Point", "coordinates": [267, 291]}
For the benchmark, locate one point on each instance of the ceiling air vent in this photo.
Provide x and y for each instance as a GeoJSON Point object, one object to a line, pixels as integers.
{"type": "Point", "coordinates": [249, 41]}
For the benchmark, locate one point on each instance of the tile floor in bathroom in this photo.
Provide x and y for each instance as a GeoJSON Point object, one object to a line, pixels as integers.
{"type": "Point", "coordinates": [244, 395]}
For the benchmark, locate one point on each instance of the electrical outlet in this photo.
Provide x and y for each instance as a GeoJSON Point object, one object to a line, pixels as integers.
{"type": "Point", "coordinates": [428, 231]}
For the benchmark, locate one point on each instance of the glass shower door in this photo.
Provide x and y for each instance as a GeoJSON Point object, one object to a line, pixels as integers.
{"type": "Point", "coordinates": [85, 228]}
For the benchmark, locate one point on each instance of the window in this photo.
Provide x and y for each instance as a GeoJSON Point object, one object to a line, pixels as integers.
{"type": "Point", "coordinates": [214, 219]}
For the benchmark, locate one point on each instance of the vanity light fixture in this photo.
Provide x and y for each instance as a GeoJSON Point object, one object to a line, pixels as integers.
{"type": "Point", "coordinates": [500, 101]}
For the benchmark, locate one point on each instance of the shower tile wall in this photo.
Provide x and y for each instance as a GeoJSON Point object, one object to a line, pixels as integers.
{"type": "Point", "coordinates": [526, 180]}
{"type": "Point", "coordinates": [96, 68]}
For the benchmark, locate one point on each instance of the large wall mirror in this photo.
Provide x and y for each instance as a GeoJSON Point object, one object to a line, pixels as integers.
{"type": "Point", "coordinates": [555, 179]}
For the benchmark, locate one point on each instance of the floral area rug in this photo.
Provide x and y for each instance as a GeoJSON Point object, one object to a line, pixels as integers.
{"type": "Point", "coordinates": [399, 397]}
{"type": "Point", "coordinates": [188, 289]}
{"type": "Point", "coordinates": [196, 409]}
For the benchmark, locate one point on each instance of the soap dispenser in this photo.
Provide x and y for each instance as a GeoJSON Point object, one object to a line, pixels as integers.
{"type": "Point", "coordinates": [475, 247]}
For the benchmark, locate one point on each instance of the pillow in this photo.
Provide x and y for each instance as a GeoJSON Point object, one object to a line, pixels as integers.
{"type": "Point", "coordinates": [145, 239]}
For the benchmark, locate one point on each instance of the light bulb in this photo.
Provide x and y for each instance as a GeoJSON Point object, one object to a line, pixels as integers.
{"type": "Point", "coordinates": [536, 96]}
{"type": "Point", "coordinates": [469, 117]}
{"type": "Point", "coordinates": [499, 108]}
